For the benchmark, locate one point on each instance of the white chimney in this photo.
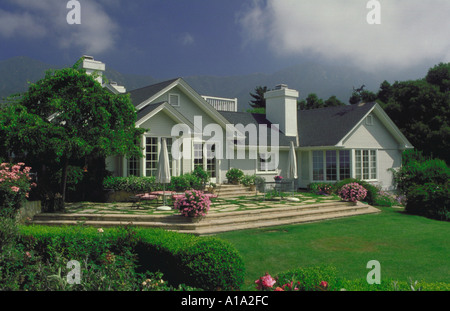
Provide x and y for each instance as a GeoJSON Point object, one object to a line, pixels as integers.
{"type": "Point", "coordinates": [281, 108]}
{"type": "Point", "coordinates": [92, 66]}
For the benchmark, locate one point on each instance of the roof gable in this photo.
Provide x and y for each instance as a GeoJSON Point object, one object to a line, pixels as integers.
{"type": "Point", "coordinates": [328, 126]}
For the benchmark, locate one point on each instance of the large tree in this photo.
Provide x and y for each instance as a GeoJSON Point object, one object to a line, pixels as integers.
{"type": "Point", "coordinates": [421, 109]}
{"type": "Point", "coordinates": [67, 117]}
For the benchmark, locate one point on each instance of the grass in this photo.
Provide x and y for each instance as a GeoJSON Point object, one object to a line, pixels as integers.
{"type": "Point", "coordinates": [408, 247]}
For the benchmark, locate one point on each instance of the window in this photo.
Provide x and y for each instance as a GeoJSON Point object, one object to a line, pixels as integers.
{"type": "Point", "coordinates": [366, 164]}
{"type": "Point", "coordinates": [174, 99]}
{"type": "Point", "coordinates": [344, 164]}
{"type": "Point", "coordinates": [133, 166]}
{"type": "Point", "coordinates": [266, 162]}
{"type": "Point", "coordinates": [151, 156]}
{"type": "Point", "coordinates": [331, 165]}
{"type": "Point", "coordinates": [211, 160]}
{"type": "Point", "coordinates": [369, 120]}
{"type": "Point", "coordinates": [198, 155]}
{"type": "Point", "coordinates": [318, 165]}
{"type": "Point", "coordinates": [152, 147]}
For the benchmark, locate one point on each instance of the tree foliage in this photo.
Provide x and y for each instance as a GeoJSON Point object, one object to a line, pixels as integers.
{"type": "Point", "coordinates": [312, 101]}
{"type": "Point", "coordinates": [421, 110]}
{"type": "Point", "coordinates": [68, 116]}
{"type": "Point", "coordinates": [258, 97]}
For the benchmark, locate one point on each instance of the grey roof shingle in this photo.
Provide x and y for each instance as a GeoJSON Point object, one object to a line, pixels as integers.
{"type": "Point", "coordinates": [139, 95]}
{"type": "Point", "coordinates": [327, 126]}
{"type": "Point", "coordinates": [246, 118]}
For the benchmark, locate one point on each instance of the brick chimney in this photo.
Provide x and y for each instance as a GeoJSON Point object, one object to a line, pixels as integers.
{"type": "Point", "coordinates": [281, 108]}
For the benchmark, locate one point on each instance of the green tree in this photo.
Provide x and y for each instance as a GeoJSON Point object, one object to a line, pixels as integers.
{"type": "Point", "coordinates": [312, 101]}
{"type": "Point", "coordinates": [421, 110]}
{"type": "Point", "coordinates": [258, 97]}
{"type": "Point", "coordinates": [333, 102]}
{"type": "Point", "coordinates": [68, 116]}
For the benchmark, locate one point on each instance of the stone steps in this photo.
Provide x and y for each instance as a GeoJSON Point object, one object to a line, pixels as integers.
{"type": "Point", "coordinates": [233, 191]}
{"type": "Point", "coordinates": [216, 222]}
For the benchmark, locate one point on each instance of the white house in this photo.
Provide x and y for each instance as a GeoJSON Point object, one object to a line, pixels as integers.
{"type": "Point", "coordinates": [331, 144]}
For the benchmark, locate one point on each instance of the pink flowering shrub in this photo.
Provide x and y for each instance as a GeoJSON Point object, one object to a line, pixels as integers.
{"type": "Point", "coordinates": [194, 203]}
{"type": "Point", "coordinates": [352, 192]}
{"type": "Point", "coordinates": [268, 283]}
{"type": "Point", "coordinates": [15, 184]}
{"type": "Point", "coordinates": [265, 282]}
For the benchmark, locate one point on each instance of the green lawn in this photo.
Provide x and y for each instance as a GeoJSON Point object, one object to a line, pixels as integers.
{"type": "Point", "coordinates": [407, 247]}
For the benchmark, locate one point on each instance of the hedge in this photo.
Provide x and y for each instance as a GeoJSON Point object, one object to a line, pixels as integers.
{"type": "Point", "coordinates": [203, 262]}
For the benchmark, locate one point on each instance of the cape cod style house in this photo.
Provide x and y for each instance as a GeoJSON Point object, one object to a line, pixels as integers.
{"type": "Point", "coordinates": [331, 144]}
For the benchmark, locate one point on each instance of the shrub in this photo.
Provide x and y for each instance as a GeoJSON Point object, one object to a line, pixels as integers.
{"type": "Point", "coordinates": [234, 175]}
{"type": "Point", "coordinates": [203, 262]}
{"type": "Point", "coordinates": [248, 180]}
{"type": "Point", "coordinates": [131, 184]}
{"type": "Point", "coordinates": [321, 188]}
{"type": "Point", "coordinates": [430, 200]}
{"type": "Point", "coordinates": [194, 203]}
{"type": "Point", "coordinates": [14, 187]}
{"type": "Point", "coordinates": [352, 192]}
{"type": "Point", "coordinates": [213, 264]}
{"type": "Point", "coordinates": [372, 191]}
{"type": "Point", "coordinates": [316, 278]}
{"type": "Point", "coordinates": [425, 182]}
{"type": "Point", "coordinates": [201, 174]}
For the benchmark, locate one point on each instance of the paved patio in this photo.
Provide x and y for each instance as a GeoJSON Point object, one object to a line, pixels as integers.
{"type": "Point", "coordinates": [218, 205]}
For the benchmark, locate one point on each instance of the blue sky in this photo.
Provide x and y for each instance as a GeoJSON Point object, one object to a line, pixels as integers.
{"type": "Point", "coordinates": [171, 38]}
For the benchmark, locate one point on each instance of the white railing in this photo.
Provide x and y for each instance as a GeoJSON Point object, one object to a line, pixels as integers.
{"type": "Point", "coordinates": [222, 104]}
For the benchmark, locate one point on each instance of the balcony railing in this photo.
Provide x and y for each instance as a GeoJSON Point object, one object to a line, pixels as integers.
{"type": "Point", "coordinates": [222, 104]}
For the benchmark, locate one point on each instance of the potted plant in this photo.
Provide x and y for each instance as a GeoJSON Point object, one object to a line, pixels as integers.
{"type": "Point", "coordinates": [211, 188]}
{"type": "Point", "coordinates": [278, 178]}
{"type": "Point", "coordinates": [234, 176]}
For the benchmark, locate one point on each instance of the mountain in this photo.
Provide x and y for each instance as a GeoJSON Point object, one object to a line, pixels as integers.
{"type": "Point", "coordinates": [325, 81]}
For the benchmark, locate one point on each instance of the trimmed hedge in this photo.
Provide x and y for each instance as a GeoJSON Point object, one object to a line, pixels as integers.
{"type": "Point", "coordinates": [203, 262]}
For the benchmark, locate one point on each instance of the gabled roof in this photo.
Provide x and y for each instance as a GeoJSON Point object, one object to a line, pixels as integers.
{"type": "Point", "coordinates": [246, 118]}
{"type": "Point", "coordinates": [140, 95]}
{"type": "Point", "coordinates": [328, 126]}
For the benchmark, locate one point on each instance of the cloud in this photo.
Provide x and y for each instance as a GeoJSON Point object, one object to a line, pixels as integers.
{"type": "Point", "coordinates": [410, 31]}
{"type": "Point", "coordinates": [97, 32]}
{"type": "Point", "coordinates": [20, 24]}
{"type": "Point", "coordinates": [187, 39]}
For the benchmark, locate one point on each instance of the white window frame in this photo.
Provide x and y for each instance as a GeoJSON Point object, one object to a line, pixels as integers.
{"type": "Point", "coordinates": [324, 164]}
{"type": "Point", "coordinates": [268, 155]}
{"type": "Point", "coordinates": [178, 99]}
{"type": "Point", "coordinates": [372, 168]}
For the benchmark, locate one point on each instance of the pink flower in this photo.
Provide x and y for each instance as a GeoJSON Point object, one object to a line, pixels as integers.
{"type": "Point", "coordinates": [15, 189]}
{"type": "Point", "coordinates": [265, 282]}
{"type": "Point", "coordinates": [323, 284]}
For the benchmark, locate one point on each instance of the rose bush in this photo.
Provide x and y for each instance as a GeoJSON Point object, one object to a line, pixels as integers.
{"type": "Point", "coordinates": [15, 185]}
{"type": "Point", "coordinates": [194, 203]}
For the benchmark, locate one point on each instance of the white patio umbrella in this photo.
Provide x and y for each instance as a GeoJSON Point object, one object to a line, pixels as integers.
{"type": "Point", "coordinates": [292, 167]}
{"type": "Point", "coordinates": [292, 163]}
{"type": "Point", "coordinates": [163, 172]}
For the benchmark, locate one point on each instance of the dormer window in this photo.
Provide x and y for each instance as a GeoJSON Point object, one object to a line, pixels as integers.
{"type": "Point", "coordinates": [174, 100]}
